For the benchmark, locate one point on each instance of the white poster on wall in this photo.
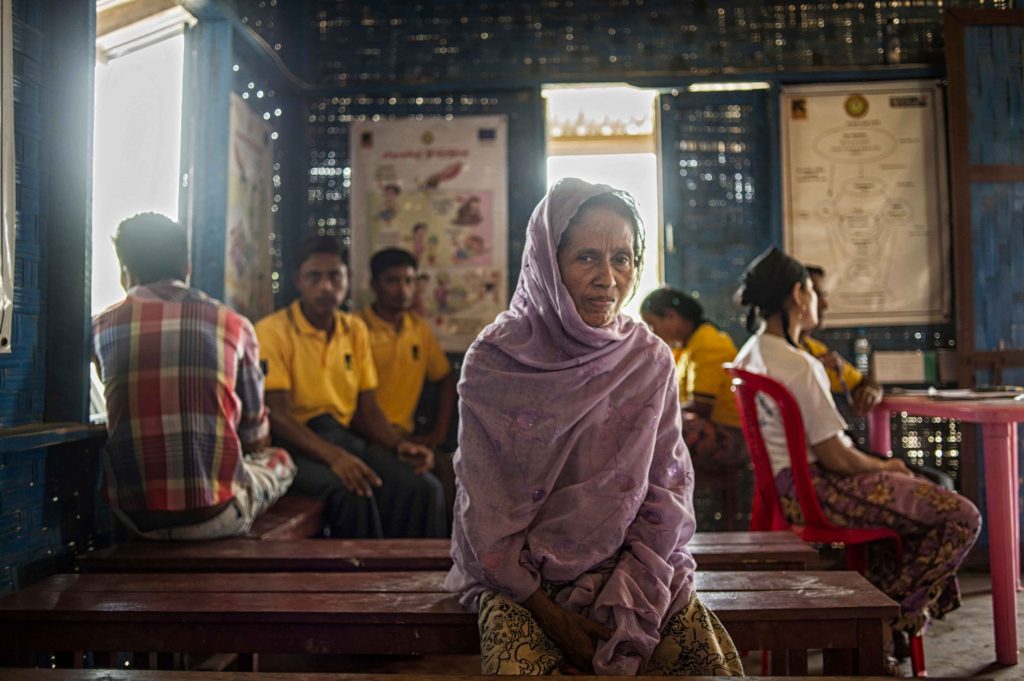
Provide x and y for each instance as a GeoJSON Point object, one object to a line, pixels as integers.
{"type": "Point", "coordinates": [437, 188]}
{"type": "Point", "coordinates": [7, 190]}
{"type": "Point", "coordinates": [864, 193]}
{"type": "Point", "coordinates": [248, 265]}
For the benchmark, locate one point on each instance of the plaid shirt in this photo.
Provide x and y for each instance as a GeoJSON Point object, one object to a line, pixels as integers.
{"type": "Point", "coordinates": [184, 390]}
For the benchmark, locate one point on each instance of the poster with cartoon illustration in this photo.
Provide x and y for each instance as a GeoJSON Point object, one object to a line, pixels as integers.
{"type": "Point", "coordinates": [248, 263]}
{"type": "Point", "coordinates": [437, 188]}
{"type": "Point", "coordinates": [865, 197]}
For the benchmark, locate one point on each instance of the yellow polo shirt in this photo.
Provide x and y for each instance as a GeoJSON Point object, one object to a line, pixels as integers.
{"type": "Point", "coordinates": [850, 375]}
{"type": "Point", "coordinates": [404, 360]}
{"type": "Point", "coordinates": [701, 376]}
{"type": "Point", "coordinates": [324, 375]}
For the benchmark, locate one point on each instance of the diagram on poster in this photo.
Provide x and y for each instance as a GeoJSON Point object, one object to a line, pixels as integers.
{"type": "Point", "coordinates": [865, 198]}
{"type": "Point", "coordinates": [436, 188]}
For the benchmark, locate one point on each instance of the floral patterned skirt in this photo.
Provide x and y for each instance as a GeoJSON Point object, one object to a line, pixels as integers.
{"type": "Point", "coordinates": [937, 528]}
{"type": "Point", "coordinates": [693, 643]}
{"type": "Point", "coordinates": [714, 447]}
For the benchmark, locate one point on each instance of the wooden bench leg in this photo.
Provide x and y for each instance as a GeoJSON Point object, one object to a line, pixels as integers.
{"type": "Point", "coordinates": [104, 660]}
{"type": "Point", "coordinates": [838, 662]}
{"type": "Point", "coordinates": [779, 662]}
{"type": "Point", "coordinates": [248, 662]}
{"type": "Point", "coordinates": [870, 648]}
{"type": "Point", "coordinates": [797, 662]}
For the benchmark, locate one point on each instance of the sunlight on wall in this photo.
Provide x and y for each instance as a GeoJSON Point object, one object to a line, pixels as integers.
{"type": "Point", "coordinates": [636, 174]}
{"type": "Point", "coordinates": [137, 150]}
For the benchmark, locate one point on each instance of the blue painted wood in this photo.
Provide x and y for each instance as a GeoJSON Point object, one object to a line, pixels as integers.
{"type": "Point", "coordinates": [38, 436]}
{"type": "Point", "coordinates": [22, 372]}
{"type": "Point", "coordinates": [997, 225]}
{"type": "Point", "coordinates": [473, 41]}
{"type": "Point", "coordinates": [208, 78]}
{"type": "Point", "coordinates": [68, 196]}
{"type": "Point", "coordinates": [996, 103]}
{"type": "Point", "coordinates": [717, 185]}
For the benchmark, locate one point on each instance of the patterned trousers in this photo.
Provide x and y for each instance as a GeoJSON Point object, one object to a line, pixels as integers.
{"type": "Point", "coordinates": [693, 643]}
{"type": "Point", "coordinates": [937, 528]}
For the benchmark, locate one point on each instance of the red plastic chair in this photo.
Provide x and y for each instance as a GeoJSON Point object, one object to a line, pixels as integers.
{"type": "Point", "coordinates": [767, 510]}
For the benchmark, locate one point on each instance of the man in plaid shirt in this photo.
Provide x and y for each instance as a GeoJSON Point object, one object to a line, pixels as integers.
{"type": "Point", "coordinates": [187, 455]}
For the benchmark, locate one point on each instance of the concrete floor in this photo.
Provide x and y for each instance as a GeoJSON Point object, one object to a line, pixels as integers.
{"type": "Point", "coordinates": [961, 646]}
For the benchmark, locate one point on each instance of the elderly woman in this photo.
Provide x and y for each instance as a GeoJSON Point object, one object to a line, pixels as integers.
{"type": "Point", "coordinates": [575, 487]}
{"type": "Point", "coordinates": [937, 526]}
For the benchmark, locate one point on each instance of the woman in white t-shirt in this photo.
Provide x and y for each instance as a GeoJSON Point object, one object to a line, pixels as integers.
{"type": "Point", "coordinates": [854, 489]}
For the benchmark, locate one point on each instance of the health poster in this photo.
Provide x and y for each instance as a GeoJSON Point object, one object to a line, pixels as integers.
{"type": "Point", "coordinates": [864, 182]}
{"type": "Point", "coordinates": [248, 262]}
{"type": "Point", "coordinates": [438, 188]}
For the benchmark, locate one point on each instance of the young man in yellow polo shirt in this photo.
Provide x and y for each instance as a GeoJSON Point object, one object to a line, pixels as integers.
{"type": "Point", "coordinates": [407, 356]}
{"type": "Point", "coordinates": [405, 351]}
{"type": "Point", "coordinates": [321, 389]}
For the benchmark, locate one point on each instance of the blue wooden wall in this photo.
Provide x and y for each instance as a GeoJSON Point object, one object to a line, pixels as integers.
{"type": "Point", "coordinates": [717, 178]}
{"type": "Point", "coordinates": [23, 371]}
{"type": "Point", "coordinates": [49, 507]}
{"type": "Point", "coordinates": [994, 69]}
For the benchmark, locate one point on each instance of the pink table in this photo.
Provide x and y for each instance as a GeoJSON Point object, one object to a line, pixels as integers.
{"type": "Point", "coordinates": [998, 420]}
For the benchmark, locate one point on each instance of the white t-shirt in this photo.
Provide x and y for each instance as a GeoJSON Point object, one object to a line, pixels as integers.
{"type": "Point", "coordinates": [806, 380]}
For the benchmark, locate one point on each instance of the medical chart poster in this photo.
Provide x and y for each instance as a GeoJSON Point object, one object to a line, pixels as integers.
{"type": "Point", "coordinates": [248, 264]}
{"type": "Point", "coordinates": [437, 188]}
{"type": "Point", "coordinates": [865, 197]}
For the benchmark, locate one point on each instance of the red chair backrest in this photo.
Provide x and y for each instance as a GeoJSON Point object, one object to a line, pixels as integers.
{"type": "Point", "coordinates": [746, 388]}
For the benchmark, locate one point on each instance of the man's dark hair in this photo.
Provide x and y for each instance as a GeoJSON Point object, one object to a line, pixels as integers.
{"type": "Point", "coordinates": [318, 244]}
{"type": "Point", "coordinates": [152, 247]}
{"type": "Point", "coordinates": [815, 270]}
{"type": "Point", "coordinates": [391, 257]}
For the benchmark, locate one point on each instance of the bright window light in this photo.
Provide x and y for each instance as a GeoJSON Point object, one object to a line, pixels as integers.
{"type": "Point", "coordinates": [599, 111]}
{"type": "Point", "coordinates": [137, 147]}
{"type": "Point", "coordinates": [728, 87]}
{"type": "Point", "coordinates": [636, 174]}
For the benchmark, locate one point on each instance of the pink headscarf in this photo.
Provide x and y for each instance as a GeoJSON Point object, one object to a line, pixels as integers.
{"type": "Point", "coordinates": [571, 464]}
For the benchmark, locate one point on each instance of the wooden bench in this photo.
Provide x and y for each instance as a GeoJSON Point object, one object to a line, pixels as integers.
{"type": "Point", "coordinates": [147, 675]}
{"type": "Point", "coordinates": [712, 550]}
{"type": "Point", "coordinates": [291, 517]}
{"type": "Point", "coordinates": [400, 613]}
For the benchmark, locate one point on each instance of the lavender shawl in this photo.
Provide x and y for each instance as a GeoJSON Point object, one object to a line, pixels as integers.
{"type": "Point", "coordinates": [571, 464]}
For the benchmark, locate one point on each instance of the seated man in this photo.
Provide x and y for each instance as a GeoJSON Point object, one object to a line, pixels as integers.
{"type": "Point", "coordinates": [320, 382]}
{"type": "Point", "coordinates": [861, 392]}
{"type": "Point", "coordinates": [405, 351]}
{"type": "Point", "coordinates": [407, 355]}
{"type": "Point", "coordinates": [186, 456]}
